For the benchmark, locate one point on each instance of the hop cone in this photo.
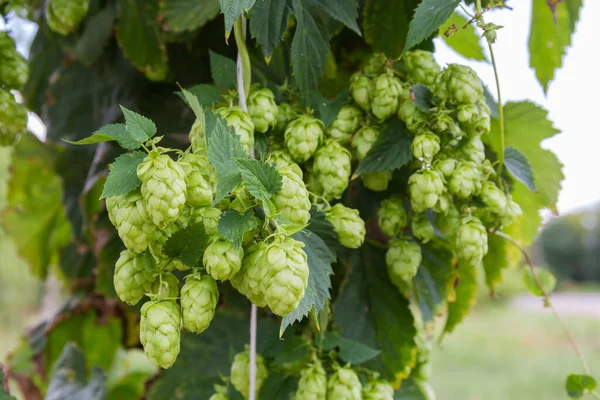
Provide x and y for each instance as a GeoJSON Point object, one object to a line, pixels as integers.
{"type": "Point", "coordinates": [242, 124]}
{"type": "Point", "coordinates": [281, 158]}
{"type": "Point", "coordinates": [128, 214]}
{"type": "Point", "coordinates": [448, 223]}
{"type": "Point", "coordinates": [209, 217]}
{"type": "Point", "coordinates": [292, 199]}
{"type": "Point", "coordinates": [363, 141]}
{"type": "Point", "coordinates": [426, 187]}
{"type": "Point", "coordinates": [240, 372]}
{"type": "Point", "coordinates": [377, 181]}
{"type": "Point", "coordinates": [303, 136]}
{"type": "Point", "coordinates": [222, 260]}
{"type": "Point", "coordinates": [391, 217]}
{"type": "Point", "coordinates": [197, 136]}
{"type": "Point", "coordinates": [493, 197]}
{"type": "Point", "coordinates": [64, 16]}
{"type": "Point", "coordinates": [511, 212]}
{"type": "Point", "coordinates": [440, 122]}
{"type": "Point", "coordinates": [287, 113]}
{"type": "Point", "coordinates": [344, 384]}
{"type": "Point", "coordinates": [248, 281]}
{"type": "Point", "coordinates": [167, 287]}
{"type": "Point", "coordinates": [474, 118]}
{"type": "Point", "coordinates": [374, 65]}
{"type": "Point", "coordinates": [473, 150]}
{"type": "Point", "coordinates": [160, 332]}
{"type": "Point", "coordinates": [458, 83]}
{"type": "Point", "coordinates": [163, 188]}
{"type": "Point", "coordinates": [312, 384]}
{"type": "Point", "coordinates": [422, 228]}
{"type": "Point", "coordinates": [348, 225]}
{"type": "Point", "coordinates": [133, 277]}
{"type": "Point", "coordinates": [386, 95]}
{"type": "Point", "coordinates": [331, 168]}
{"type": "Point", "coordinates": [425, 145]}
{"type": "Point", "coordinates": [13, 118]}
{"type": "Point", "coordinates": [446, 166]}
{"type": "Point", "coordinates": [286, 275]}
{"type": "Point", "coordinates": [471, 240]}
{"type": "Point", "coordinates": [412, 116]}
{"type": "Point", "coordinates": [378, 390]}
{"type": "Point", "coordinates": [466, 180]}
{"type": "Point", "coordinates": [262, 109]}
{"type": "Point", "coordinates": [345, 124]}
{"type": "Point", "coordinates": [361, 89]}
{"type": "Point", "coordinates": [13, 70]}
{"type": "Point", "coordinates": [200, 179]}
{"type": "Point", "coordinates": [402, 259]}
{"type": "Point", "coordinates": [421, 66]}
{"type": "Point", "coordinates": [199, 298]}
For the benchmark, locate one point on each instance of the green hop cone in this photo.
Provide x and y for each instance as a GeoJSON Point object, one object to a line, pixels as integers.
{"type": "Point", "coordinates": [287, 113]}
{"type": "Point", "coordinates": [281, 158]}
{"type": "Point", "coordinates": [209, 217]}
{"type": "Point", "coordinates": [242, 125]}
{"type": "Point", "coordinates": [312, 384]}
{"type": "Point", "coordinates": [163, 188]}
{"type": "Point", "coordinates": [377, 181]}
{"type": "Point", "coordinates": [425, 187]}
{"type": "Point", "coordinates": [166, 287]}
{"type": "Point", "coordinates": [448, 223]}
{"type": "Point", "coordinates": [363, 141]}
{"type": "Point", "coordinates": [133, 277]}
{"type": "Point", "coordinates": [446, 166]}
{"type": "Point", "coordinates": [13, 70]}
{"type": "Point", "coordinates": [197, 136]}
{"type": "Point", "coordinates": [303, 136]}
{"type": "Point", "coordinates": [64, 16]}
{"type": "Point", "coordinates": [286, 275]}
{"type": "Point", "coordinates": [473, 150]}
{"type": "Point", "coordinates": [344, 384]}
{"type": "Point", "coordinates": [240, 372]}
{"type": "Point", "coordinates": [348, 225]}
{"type": "Point", "coordinates": [425, 145]}
{"type": "Point", "coordinates": [13, 118]}
{"type": "Point", "coordinates": [292, 200]}
{"type": "Point", "coordinates": [128, 214]}
{"type": "Point", "coordinates": [262, 109]}
{"type": "Point", "coordinates": [361, 89]}
{"type": "Point", "coordinates": [198, 179]}
{"type": "Point", "coordinates": [221, 260]}
{"type": "Point", "coordinates": [420, 66]}
{"type": "Point", "coordinates": [375, 64]}
{"type": "Point", "coordinates": [249, 279]}
{"type": "Point", "coordinates": [402, 258]}
{"type": "Point", "coordinates": [511, 212]}
{"type": "Point", "coordinates": [471, 240]}
{"type": "Point", "coordinates": [474, 118]}
{"type": "Point", "coordinates": [199, 298]}
{"type": "Point", "coordinates": [422, 228]}
{"type": "Point", "coordinates": [493, 197]}
{"type": "Point", "coordinates": [386, 96]}
{"type": "Point", "coordinates": [443, 203]}
{"type": "Point", "coordinates": [458, 84]}
{"type": "Point", "coordinates": [160, 332]}
{"type": "Point", "coordinates": [414, 118]}
{"type": "Point", "coordinates": [378, 390]}
{"type": "Point", "coordinates": [392, 217]}
{"type": "Point", "coordinates": [345, 124]}
{"type": "Point", "coordinates": [440, 122]}
{"type": "Point", "coordinates": [331, 168]}
{"type": "Point", "coordinates": [466, 180]}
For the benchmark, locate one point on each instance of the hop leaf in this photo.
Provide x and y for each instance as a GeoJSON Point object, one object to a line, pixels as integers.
{"type": "Point", "coordinates": [159, 332]}
{"type": "Point", "coordinates": [64, 16]}
{"type": "Point", "coordinates": [242, 125]}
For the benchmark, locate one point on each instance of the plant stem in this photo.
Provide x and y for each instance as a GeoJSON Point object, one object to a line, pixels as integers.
{"type": "Point", "coordinates": [548, 302]}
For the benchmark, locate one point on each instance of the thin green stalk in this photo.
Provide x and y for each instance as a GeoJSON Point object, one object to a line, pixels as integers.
{"type": "Point", "coordinates": [240, 40]}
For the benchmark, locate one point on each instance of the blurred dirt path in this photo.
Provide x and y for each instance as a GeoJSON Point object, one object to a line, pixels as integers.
{"type": "Point", "coordinates": [584, 304]}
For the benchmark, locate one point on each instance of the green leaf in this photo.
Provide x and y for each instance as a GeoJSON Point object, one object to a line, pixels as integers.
{"type": "Point", "coordinates": [414, 389]}
{"type": "Point", "coordinates": [385, 24]}
{"type": "Point", "coordinates": [129, 374]}
{"type": "Point", "coordinates": [327, 109]}
{"type": "Point", "coordinates": [138, 124]}
{"type": "Point", "coordinates": [184, 15]}
{"type": "Point", "coordinates": [268, 23]}
{"type": "Point", "coordinates": [261, 180]}
{"type": "Point", "coordinates": [434, 277]}
{"type": "Point", "coordinates": [429, 16]}
{"type": "Point", "coordinates": [320, 258]}
{"type": "Point", "coordinates": [421, 96]}
{"type": "Point", "coordinates": [495, 261]}
{"type": "Point", "coordinates": [278, 386]}
{"type": "Point", "coordinates": [4, 395]}
{"type": "Point", "coordinates": [545, 277]}
{"type": "Point", "coordinates": [188, 244]}
{"type": "Point", "coordinates": [206, 94]}
{"type": "Point", "coordinates": [466, 294]}
{"type": "Point", "coordinates": [319, 225]}
{"type": "Point", "coordinates": [233, 225]}
{"type": "Point", "coordinates": [96, 34]}
{"type": "Point", "coordinates": [232, 9]}
{"type": "Point", "coordinates": [465, 41]}
{"type": "Point", "coordinates": [138, 35]}
{"type": "Point", "coordinates": [351, 351]}
{"type": "Point", "coordinates": [223, 70]}
{"type": "Point", "coordinates": [128, 139]}
{"type": "Point", "coordinates": [371, 310]}
{"type": "Point", "coordinates": [345, 11]}
{"type": "Point", "coordinates": [578, 386]}
{"type": "Point", "coordinates": [551, 35]}
{"type": "Point", "coordinates": [390, 152]}
{"type": "Point", "coordinates": [547, 170]}
{"type": "Point", "coordinates": [69, 380]}
{"type": "Point", "coordinates": [516, 163]}
{"type": "Point", "coordinates": [286, 350]}
{"type": "Point", "coordinates": [122, 177]}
